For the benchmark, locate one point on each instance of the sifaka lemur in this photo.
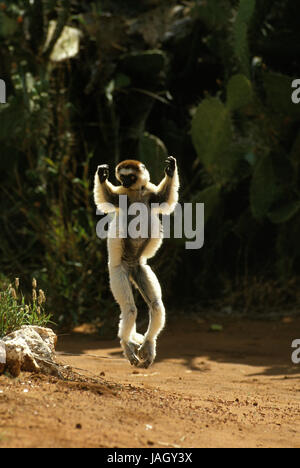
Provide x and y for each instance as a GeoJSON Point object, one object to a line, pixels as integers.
{"type": "Point", "coordinates": [128, 255]}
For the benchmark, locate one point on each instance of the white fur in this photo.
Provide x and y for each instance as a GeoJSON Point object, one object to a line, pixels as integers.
{"type": "Point", "coordinates": [125, 171]}
{"type": "Point", "coordinates": [169, 206]}
{"type": "Point", "coordinates": [100, 198]}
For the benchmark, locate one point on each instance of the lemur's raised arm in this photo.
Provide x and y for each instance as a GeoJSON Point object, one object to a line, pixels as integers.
{"type": "Point", "coordinates": [105, 194]}
{"type": "Point", "coordinates": [166, 192]}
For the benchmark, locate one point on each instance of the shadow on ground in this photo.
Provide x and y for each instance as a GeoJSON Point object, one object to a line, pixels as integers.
{"type": "Point", "coordinates": [260, 344]}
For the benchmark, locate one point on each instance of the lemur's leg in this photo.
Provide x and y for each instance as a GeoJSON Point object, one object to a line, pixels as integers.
{"type": "Point", "coordinates": [122, 292]}
{"type": "Point", "coordinates": [149, 287]}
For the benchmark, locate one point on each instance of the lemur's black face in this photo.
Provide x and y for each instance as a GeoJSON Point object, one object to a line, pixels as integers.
{"type": "Point", "coordinates": [128, 180]}
{"type": "Point", "coordinates": [132, 174]}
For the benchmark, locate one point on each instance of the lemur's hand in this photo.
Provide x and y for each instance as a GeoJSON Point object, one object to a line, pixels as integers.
{"type": "Point", "coordinates": [103, 172]}
{"type": "Point", "coordinates": [171, 166]}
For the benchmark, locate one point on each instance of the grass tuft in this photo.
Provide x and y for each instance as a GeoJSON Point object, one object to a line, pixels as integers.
{"type": "Point", "coordinates": [16, 312]}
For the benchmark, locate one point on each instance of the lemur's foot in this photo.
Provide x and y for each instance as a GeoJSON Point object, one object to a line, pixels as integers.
{"type": "Point", "coordinates": [130, 352]}
{"type": "Point", "coordinates": [103, 172]}
{"type": "Point", "coordinates": [147, 353]}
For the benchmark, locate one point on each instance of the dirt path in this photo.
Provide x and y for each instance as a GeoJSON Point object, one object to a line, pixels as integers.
{"type": "Point", "coordinates": [233, 388]}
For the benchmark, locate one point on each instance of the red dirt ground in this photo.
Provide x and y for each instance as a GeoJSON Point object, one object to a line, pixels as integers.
{"type": "Point", "coordinates": [232, 388]}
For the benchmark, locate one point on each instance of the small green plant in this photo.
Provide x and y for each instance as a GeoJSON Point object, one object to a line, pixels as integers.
{"type": "Point", "coordinates": [15, 311]}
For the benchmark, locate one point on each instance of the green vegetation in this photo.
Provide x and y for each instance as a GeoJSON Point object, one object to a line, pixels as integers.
{"type": "Point", "coordinates": [16, 312]}
{"type": "Point", "coordinates": [97, 82]}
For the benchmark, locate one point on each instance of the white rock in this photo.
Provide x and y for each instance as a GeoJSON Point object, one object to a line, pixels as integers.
{"type": "Point", "coordinates": [30, 348]}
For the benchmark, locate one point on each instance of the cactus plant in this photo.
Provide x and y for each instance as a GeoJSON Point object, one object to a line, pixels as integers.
{"type": "Point", "coordinates": [263, 188]}
{"type": "Point", "coordinates": [210, 196]}
{"type": "Point", "coordinates": [214, 13]}
{"type": "Point", "coordinates": [284, 212]}
{"type": "Point", "coordinates": [278, 89]}
{"type": "Point", "coordinates": [212, 136]}
{"type": "Point", "coordinates": [239, 92]}
{"type": "Point", "coordinates": [240, 34]}
{"type": "Point", "coordinates": [152, 152]}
